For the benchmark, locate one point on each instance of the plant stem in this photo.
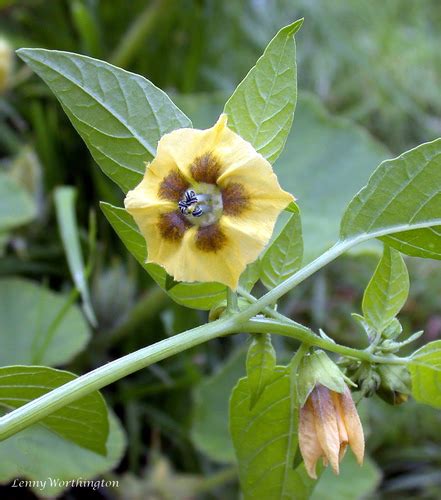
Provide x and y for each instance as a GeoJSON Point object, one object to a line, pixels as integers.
{"type": "Point", "coordinates": [269, 311]}
{"type": "Point", "coordinates": [273, 295]}
{"type": "Point", "coordinates": [299, 332]}
{"type": "Point", "coordinates": [35, 410]}
{"type": "Point", "coordinates": [43, 406]}
{"type": "Point", "coordinates": [232, 304]}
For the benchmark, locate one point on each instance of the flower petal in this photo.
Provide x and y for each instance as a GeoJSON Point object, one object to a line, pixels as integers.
{"type": "Point", "coordinates": [144, 201]}
{"type": "Point", "coordinates": [309, 445]}
{"type": "Point", "coordinates": [264, 198]}
{"type": "Point", "coordinates": [352, 424]}
{"type": "Point", "coordinates": [326, 424]}
{"type": "Point", "coordinates": [183, 146]}
{"type": "Point", "coordinates": [214, 253]}
{"type": "Point", "coordinates": [343, 435]}
{"type": "Point", "coordinates": [252, 201]}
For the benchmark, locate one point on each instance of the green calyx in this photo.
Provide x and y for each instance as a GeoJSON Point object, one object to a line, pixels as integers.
{"type": "Point", "coordinates": [316, 368]}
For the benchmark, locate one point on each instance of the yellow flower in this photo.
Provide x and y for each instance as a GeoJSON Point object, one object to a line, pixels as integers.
{"type": "Point", "coordinates": [328, 423]}
{"type": "Point", "coordinates": [207, 204]}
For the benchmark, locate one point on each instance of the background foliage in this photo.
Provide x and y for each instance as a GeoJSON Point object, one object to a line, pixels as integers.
{"type": "Point", "coordinates": [369, 88]}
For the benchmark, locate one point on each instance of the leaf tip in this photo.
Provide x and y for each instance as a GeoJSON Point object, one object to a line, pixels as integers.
{"type": "Point", "coordinates": [295, 26]}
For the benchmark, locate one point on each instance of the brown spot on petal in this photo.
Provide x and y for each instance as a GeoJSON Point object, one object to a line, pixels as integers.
{"type": "Point", "coordinates": [172, 226]}
{"type": "Point", "coordinates": [205, 168]}
{"type": "Point", "coordinates": [210, 238]}
{"type": "Point", "coordinates": [235, 199]}
{"type": "Point", "coordinates": [173, 186]}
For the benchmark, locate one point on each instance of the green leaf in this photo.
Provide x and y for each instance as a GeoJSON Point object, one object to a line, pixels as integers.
{"type": "Point", "coordinates": [265, 440]}
{"type": "Point", "coordinates": [284, 255]}
{"type": "Point", "coordinates": [84, 422]}
{"type": "Point", "coordinates": [16, 205]}
{"type": "Point", "coordinates": [170, 282]}
{"type": "Point", "coordinates": [387, 290]}
{"type": "Point", "coordinates": [36, 326]}
{"type": "Point", "coordinates": [425, 371]}
{"type": "Point", "coordinates": [37, 454]}
{"type": "Point", "coordinates": [261, 109]}
{"type": "Point", "coordinates": [401, 197]}
{"type": "Point", "coordinates": [120, 116]}
{"type": "Point", "coordinates": [261, 361]}
{"type": "Point", "coordinates": [195, 295]}
{"type": "Point", "coordinates": [67, 224]}
{"type": "Point", "coordinates": [425, 243]}
{"type": "Point", "coordinates": [353, 482]}
{"type": "Point", "coordinates": [210, 420]}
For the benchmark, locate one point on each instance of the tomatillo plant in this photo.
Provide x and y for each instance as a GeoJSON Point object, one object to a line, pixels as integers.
{"type": "Point", "coordinates": [200, 209]}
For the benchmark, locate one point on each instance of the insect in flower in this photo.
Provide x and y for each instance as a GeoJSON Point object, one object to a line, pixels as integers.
{"type": "Point", "coordinates": [189, 205]}
{"type": "Point", "coordinates": [207, 204]}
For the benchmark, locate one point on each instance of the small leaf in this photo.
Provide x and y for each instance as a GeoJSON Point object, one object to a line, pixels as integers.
{"type": "Point", "coordinates": [425, 371]}
{"type": "Point", "coordinates": [284, 255]}
{"type": "Point", "coordinates": [37, 454]}
{"type": "Point", "coordinates": [265, 440]}
{"type": "Point", "coordinates": [84, 422]}
{"type": "Point", "coordinates": [393, 330]}
{"type": "Point", "coordinates": [402, 198]}
{"type": "Point", "coordinates": [261, 109]}
{"type": "Point", "coordinates": [38, 326]}
{"type": "Point", "coordinates": [210, 423]}
{"type": "Point", "coordinates": [16, 205]}
{"type": "Point", "coordinates": [387, 290]}
{"type": "Point", "coordinates": [261, 361]}
{"type": "Point", "coordinates": [195, 295]}
{"type": "Point", "coordinates": [67, 224]}
{"type": "Point", "coordinates": [120, 116]}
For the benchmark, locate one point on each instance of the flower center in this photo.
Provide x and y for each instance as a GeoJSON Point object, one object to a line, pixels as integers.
{"type": "Point", "coordinates": [202, 204]}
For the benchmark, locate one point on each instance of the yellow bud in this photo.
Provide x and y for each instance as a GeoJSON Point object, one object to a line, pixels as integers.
{"type": "Point", "coordinates": [6, 64]}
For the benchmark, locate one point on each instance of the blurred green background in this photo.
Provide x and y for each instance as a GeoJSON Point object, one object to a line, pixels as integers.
{"type": "Point", "coordinates": [370, 78]}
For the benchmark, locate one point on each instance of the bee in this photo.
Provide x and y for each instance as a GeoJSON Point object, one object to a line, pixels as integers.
{"type": "Point", "coordinates": [189, 205]}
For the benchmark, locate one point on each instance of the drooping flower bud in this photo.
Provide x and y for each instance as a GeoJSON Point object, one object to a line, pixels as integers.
{"type": "Point", "coordinates": [328, 423]}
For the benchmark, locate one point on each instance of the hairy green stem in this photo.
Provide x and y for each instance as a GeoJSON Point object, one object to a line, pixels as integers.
{"type": "Point", "coordinates": [35, 410]}
{"type": "Point", "coordinates": [232, 303]}
{"type": "Point", "coordinates": [39, 408]}
{"type": "Point", "coordinates": [273, 295]}
{"type": "Point", "coordinates": [268, 311]}
{"type": "Point", "coordinates": [300, 332]}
